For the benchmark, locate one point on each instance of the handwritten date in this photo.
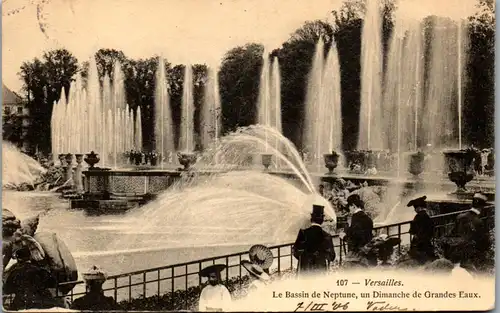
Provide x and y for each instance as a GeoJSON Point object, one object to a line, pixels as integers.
{"type": "Point", "coordinates": [321, 307]}
{"type": "Point", "coordinates": [340, 306]}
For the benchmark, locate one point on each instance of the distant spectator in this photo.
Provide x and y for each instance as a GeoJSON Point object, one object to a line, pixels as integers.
{"type": "Point", "coordinates": [94, 299]}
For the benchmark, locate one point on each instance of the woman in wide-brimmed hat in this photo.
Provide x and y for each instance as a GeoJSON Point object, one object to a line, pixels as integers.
{"type": "Point", "coordinates": [214, 297]}
{"type": "Point", "coordinates": [261, 256]}
{"type": "Point", "coordinates": [259, 277]}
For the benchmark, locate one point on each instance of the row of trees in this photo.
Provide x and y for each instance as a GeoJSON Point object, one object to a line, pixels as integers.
{"type": "Point", "coordinates": [240, 71]}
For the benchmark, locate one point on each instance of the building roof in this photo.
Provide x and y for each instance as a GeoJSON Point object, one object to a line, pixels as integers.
{"type": "Point", "coordinates": [9, 97]}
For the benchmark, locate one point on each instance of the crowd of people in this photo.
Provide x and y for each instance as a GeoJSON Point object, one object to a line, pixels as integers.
{"type": "Point", "coordinates": [463, 249]}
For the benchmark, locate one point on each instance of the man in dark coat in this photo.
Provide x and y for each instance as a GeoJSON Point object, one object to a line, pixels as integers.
{"type": "Point", "coordinates": [470, 228]}
{"type": "Point", "coordinates": [422, 230]}
{"type": "Point", "coordinates": [314, 247]}
{"type": "Point", "coordinates": [360, 232]}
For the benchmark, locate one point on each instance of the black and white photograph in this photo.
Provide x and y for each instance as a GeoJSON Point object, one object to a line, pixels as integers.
{"type": "Point", "coordinates": [248, 155]}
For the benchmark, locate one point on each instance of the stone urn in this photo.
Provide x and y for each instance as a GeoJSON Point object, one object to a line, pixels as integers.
{"type": "Point", "coordinates": [331, 161]}
{"type": "Point", "coordinates": [79, 158]}
{"type": "Point", "coordinates": [266, 160]}
{"type": "Point", "coordinates": [416, 165]}
{"type": "Point", "coordinates": [92, 159]}
{"type": "Point", "coordinates": [460, 167]}
{"type": "Point", "coordinates": [186, 159]}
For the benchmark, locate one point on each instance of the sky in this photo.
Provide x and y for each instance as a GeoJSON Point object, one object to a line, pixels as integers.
{"type": "Point", "coordinates": [183, 31]}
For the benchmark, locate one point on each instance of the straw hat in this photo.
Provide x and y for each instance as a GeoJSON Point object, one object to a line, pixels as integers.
{"type": "Point", "coordinates": [216, 268]}
{"type": "Point", "coordinates": [95, 274]}
{"type": "Point", "coordinates": [261, 255]}
{"type": "Point", "coordinates": [255, 270]}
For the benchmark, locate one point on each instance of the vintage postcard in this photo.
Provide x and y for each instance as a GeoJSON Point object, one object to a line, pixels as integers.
{"type": "Point", "coordinates": [248, 155]}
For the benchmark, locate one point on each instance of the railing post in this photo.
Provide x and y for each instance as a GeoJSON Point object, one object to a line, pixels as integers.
{"type": "Point", "coordinates": [399, 237]}
{"type": "Point", "coordinates": [129, 288]}
{"type": "Point", "coordinates": [279, 259]}
{"type": "Point", "coordinates": [159, 285]}
{"type": "Point", "coordinates": [227, 269]}
{"type": "Point", "coordinates": [173, 288]}
{"type": "Point", "coordinates": [341, 248]}
{"type": "Point", "coordinates": [116, 289]}
{"type": "Point", "coordinates": [239, 266]}
{"type": "Point", "coordinates": [199, 276]}
{"type": "Point", "coordinates": [186, 284]}
{"type": "Point", "coordinates": [144, 284]}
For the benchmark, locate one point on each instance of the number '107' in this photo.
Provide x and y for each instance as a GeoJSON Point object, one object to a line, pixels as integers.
{"type": "Point", "coordinates": [341, 282]}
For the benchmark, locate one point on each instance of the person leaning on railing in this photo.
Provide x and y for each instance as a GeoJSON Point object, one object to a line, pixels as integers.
{"type": "Point", "coordinates": [94, 299]}
{"type": "Point", "coordinates": [360, 231]}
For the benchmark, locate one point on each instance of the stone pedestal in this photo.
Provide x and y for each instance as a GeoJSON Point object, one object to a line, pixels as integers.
{"type": "Point", "coordinates": [77, 178]}
{"type": "Point", "coordinates": [69, 167]}
{"type": "Point", "coordinates": [61, 159]}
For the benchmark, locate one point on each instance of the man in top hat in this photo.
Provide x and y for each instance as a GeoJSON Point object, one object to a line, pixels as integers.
{"type": "Point", "coordinates": [360, 232]}
{"type": "Point", "coordinates": [471, 228]}
{"type": "Point", "coordinates": [422, 230]}
{"type": "Point", "coordinates": [94, 299]}
{"type": "Point", "coordinates": [314, 247]}
{"type": "Point", "coordinates": [214, 297]}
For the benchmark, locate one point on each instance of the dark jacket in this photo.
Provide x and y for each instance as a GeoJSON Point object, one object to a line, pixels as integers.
{"type": "Point", "coordinates": [313, 248]}
{"type": "Point", "coordinates": [422, 230]}
{"type": "Point", "coordinates": [30, 284]}
{"type": "Point", "coordinates": [470, 227]}
{"type": "Point", "coordinates": [95, 301]}
{"type": "Point", "coordinates": [360, 232]}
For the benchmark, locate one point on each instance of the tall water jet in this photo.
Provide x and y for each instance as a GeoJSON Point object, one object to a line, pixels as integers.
{"type": "Point", "coordinates": [77, 122]}
{"type": "Point", "coordinates": [164, 134]}
{"type": "Point", "coordinates": [314, 120]}
{"type": "Point", "coordinates": [443, 98]}
{"type": "Point", "coordinates": [370, 119]}
{"type": "Point", "coordinates": [186, 142]}
{"type": "Point", "coordinates": [107, 104]}
{"type": "Point", "coordinates": [403, 87]}
{"type": "Point", "coordinates": [275, 80]}
{"type": "Point", "coordinates": [211, 114]}
{"type": "Point", "coordinates": [138, 129]}
{"type": "Point", "coordinates": [332, 131]}
{"type": "Point", "coordinates": [264, 100]}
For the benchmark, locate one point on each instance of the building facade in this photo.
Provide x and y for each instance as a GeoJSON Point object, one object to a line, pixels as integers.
{"type": "Point", "coordinates": [15, 118]}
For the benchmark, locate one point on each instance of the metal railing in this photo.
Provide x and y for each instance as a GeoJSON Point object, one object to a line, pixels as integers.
{"type": "Point", "coordinates": [162, 280]}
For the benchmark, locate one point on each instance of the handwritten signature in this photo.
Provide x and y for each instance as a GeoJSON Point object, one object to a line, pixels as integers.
{"type": "Point", "coordinates": [340, 306]}
{"type": "Point", "coordinates": [383, 306]}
